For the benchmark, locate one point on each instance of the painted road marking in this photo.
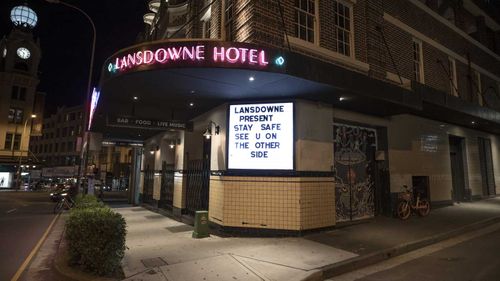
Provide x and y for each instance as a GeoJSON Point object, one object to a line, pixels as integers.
{"type": "Point", "coordinates": [393, 262]}
{"type": "Point", "coordinates": [34, 251]}
{"type": "Point", "coordinates": [10, 211]}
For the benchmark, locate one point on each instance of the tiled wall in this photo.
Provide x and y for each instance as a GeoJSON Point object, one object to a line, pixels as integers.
{"type": "Point", "coordinates": [285, 203]}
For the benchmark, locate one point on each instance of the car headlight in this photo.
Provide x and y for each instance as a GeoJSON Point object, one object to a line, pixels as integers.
{"type": "Point", "coordinates": [52, 194]}
{"type": "Point", "coordinates": [64, 194]}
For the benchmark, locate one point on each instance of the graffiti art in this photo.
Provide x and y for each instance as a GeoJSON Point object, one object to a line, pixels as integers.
{"type": "Point", "coordinates": [354, 149]}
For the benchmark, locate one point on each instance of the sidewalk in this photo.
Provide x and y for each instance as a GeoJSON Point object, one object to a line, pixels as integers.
{"type": "Point", "coordinates": [162, 249]}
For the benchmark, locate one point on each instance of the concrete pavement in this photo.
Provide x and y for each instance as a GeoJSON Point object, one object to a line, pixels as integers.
{"type": "Point", "coordinates": [162, 249]}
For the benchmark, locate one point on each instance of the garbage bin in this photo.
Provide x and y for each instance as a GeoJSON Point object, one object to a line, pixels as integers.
{"type": "Point", "coordinates": [200, 224]}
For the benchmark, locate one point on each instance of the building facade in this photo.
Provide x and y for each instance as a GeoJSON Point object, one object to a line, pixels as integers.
{"type": "Point", "coordinates": [60, 142]}
{"type": "Point", "coordinates": [298, 115]}
{"type": "Point", "coordinates": [21, 106]}
{"type": "Point", "coordinates": [59, 149]}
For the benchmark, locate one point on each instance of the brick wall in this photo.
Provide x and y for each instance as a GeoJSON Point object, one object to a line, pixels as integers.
{"type": "Point", "coordinates": [426, 24]}
{"type": "Point", "coordinates": [216, 19]}
{"type": "Point", "coordinates": [259, 22]}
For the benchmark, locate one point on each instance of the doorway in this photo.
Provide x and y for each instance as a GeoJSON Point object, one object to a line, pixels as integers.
{"type": "Point", "coordinates": [198, 180]}
{"type": "Point", "coordinates": [167, 186]}
{"type": "Point", "coordinates": [457, 168]}
{"type": "Point", "coordinates": [354, 169]}
{"type": "Point", "coordinates": [486, 164]}
{"type": "Point", "coordinates": [148, 184]}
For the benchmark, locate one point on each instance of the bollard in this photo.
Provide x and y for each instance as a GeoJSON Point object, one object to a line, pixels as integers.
{"type": "Point", "coordinates": [200, 224]}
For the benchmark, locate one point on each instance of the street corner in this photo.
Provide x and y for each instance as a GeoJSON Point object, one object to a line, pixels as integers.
{"type": "Point", "coordinates": [151, 274]}
{"type": "Point", "coordinates": [219, 268]}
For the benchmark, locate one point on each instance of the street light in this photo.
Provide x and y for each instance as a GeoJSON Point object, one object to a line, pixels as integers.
{"type": "Point", "coordinates": [87, 99]}
{"type": "Point", "coordinates": [33, 116]}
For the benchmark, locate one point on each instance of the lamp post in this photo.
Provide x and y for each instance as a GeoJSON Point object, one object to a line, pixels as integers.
{"type": "Point", "coordinates": [33, 116]}
{"type": "Point", "coordinates": [83, 161]}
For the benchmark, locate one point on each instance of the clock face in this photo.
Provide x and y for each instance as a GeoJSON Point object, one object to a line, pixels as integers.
{"type": "Point", "coordinates": [23, 53]}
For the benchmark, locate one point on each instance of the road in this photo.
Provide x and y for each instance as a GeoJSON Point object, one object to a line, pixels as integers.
{"type": "Point", "coordinates": [24, 217]}
{"type": "Point", "coordinates": [469, 257]}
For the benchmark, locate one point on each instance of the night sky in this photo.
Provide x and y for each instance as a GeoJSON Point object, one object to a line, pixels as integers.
{"type": "Point", "coordinates": [66, 37]}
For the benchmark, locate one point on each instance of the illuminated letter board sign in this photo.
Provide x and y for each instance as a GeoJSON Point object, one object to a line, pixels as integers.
{"type": "Point", "coordinates": [159, 55]}
{"type": "Point", "coordinates": [260, 136]}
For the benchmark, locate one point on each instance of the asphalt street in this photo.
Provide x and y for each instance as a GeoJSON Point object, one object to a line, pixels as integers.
{"type": "Point", "coordinates": [24, 217]}
{"type": "Point", "coordinates": [477, 259]}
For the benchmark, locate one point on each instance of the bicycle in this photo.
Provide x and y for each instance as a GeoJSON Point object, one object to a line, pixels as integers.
{"type": "Point", "coordinates": [408, 203]}
{"type": "Point", "coordinates": [65, 202]}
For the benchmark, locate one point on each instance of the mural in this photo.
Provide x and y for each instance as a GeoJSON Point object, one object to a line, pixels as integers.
{"type": "Point", "coordinates": [354, 152]}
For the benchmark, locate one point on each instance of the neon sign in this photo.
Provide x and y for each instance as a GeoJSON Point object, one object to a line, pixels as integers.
{"type": "Point", "coordinates": [93, 105]}
{"type": "Point", "coordinates": [195, 54]}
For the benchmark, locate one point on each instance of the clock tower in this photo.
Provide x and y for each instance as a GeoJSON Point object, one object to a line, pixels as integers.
{"type": "Point", "coordinates": [20, 110]}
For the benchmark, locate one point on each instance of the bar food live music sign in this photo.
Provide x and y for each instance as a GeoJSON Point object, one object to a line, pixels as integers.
{"type": "Point", "coordinates": [194, 54]}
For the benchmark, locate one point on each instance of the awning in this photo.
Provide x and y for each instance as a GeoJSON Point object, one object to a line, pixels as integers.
{"type": "Point", "coordinates": [178, 82]}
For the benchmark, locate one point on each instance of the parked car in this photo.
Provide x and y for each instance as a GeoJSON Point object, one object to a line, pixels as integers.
{"type": "Point", "coordinates": [98, 186]}
{"type": "Point", "coordinates": [37, 186]}
{"type": "Point", "coordinates": [55, 196]}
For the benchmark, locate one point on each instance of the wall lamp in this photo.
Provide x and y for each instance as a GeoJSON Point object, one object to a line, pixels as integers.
{"type": "Point", "coordinates": [154, 149]}
{"type": "Point", "coordinates": [208, 131]}
{"type": "Point", "coordinates": [174, 142]}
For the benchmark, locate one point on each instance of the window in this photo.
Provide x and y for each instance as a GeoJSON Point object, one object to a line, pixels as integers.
{"type": "Point", "coordinates": [17, 142]}
{"type": "Point", "coordinates": [56, 147]}
{"type": "Point", "coordinates": [343, 27]}
{"type": "Point", "coordinates": [63, 147]}
{"type": "Point", "coordinates": [67, 117]}
{"type": "Point", "coordinates": [229, 25]}
{"type": "Point", "coordinates": [57, 132]}
{"type": "Point", "coordinates": [453, 77]}
{"type": "Point", "coordinates": [418, 67]}
{"type": "Point", "coordinates": [79, 130]}
{"type": "Point", "coordinates": [305, 19]}
{"type": "Point", "coordinates": [207, 28]}
{"type": "Point", "coordinates": [70, 146]}
{"type": "Point", "coordinates": [80, 115]}
{"type": "Point", "coordinates": [15, 115]}
{"type": "Point", "coordinates": [14, 93]}
{"type": "Point", "coordinates": [72, 116]}
{"type": "Point", "coordinates": [71, 131]}
{"type": "Point", "coordinates": [50, 148]}
{"type": "Point", "coordinates": [22, 94]}
{"type": "Point", "coordinates": [8, 141]}
{"type": "Point", "coordinates": [64, 132]}
{"type": "Point", "coordinates": [45, 146]}
{"type": "Point", "coordinates": [477, 86]}
{"type": "Point", "coordinates": [18, 93]}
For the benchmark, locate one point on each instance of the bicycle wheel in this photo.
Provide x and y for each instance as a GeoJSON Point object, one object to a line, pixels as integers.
{"type": "Point", "coordinates": [403, 210]}
{"type": "Point", "coordinates": [58, 207]}
{"type": "Point", "coordinates": [424, 207]}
